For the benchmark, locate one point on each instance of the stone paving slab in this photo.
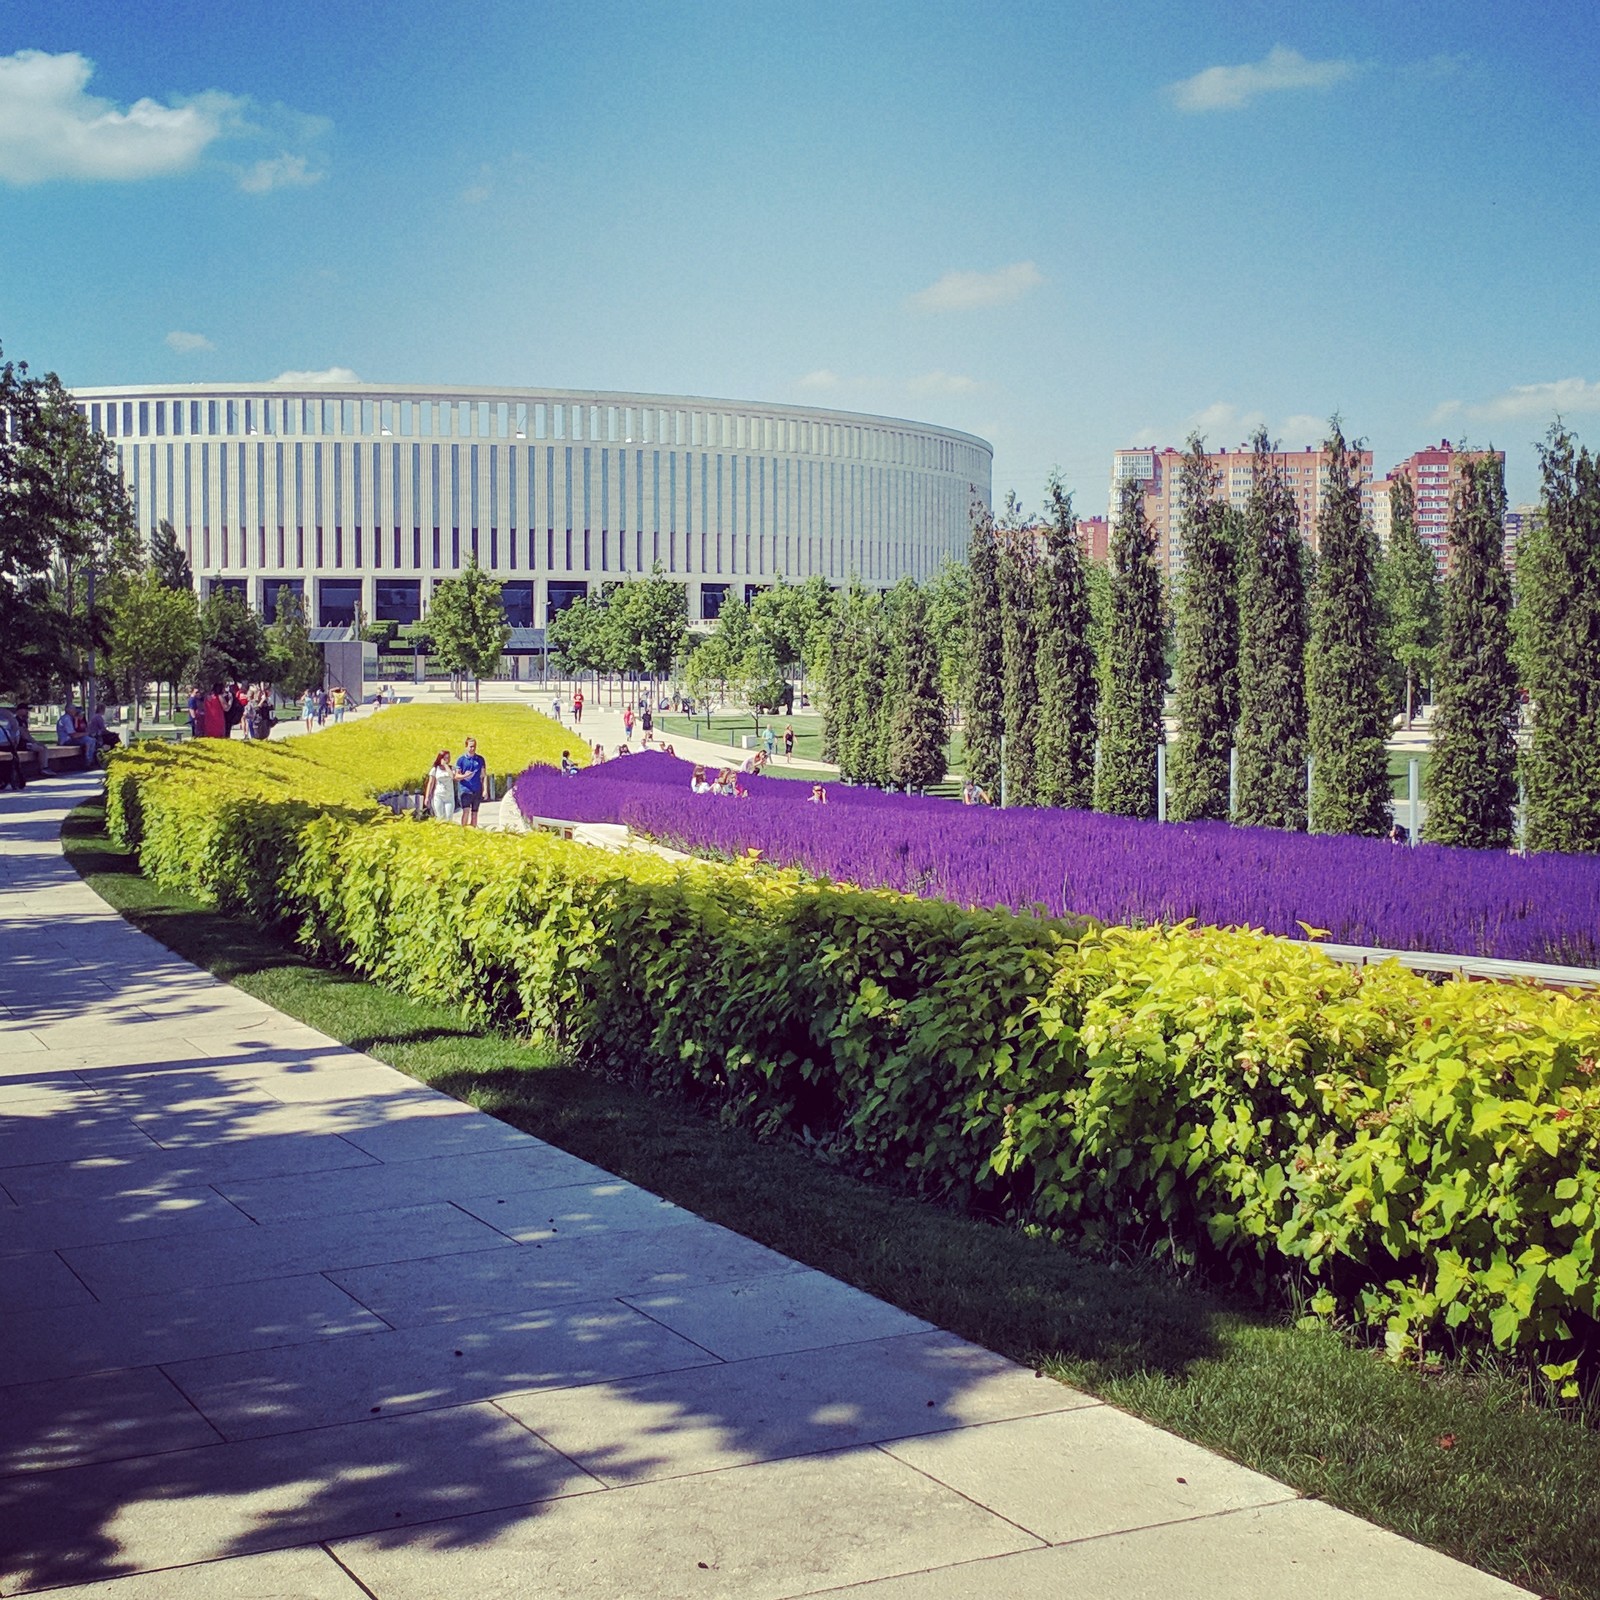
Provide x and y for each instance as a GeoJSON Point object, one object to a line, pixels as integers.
{"type": "Point", "coordinates": [1295, 1550]}
{"type": "Point", "coordinates": [104, 1416]}
{"type": "Point", "coordinates": [704, 1419]}
{"type": "Point", "coordinates": [760, 1532]}
{"type": "Point", "coordinates": [517, 1169]}
{"type": "Point", "coordinates": [564, 1271]}
{"type": "Point", "coordinates": [144, 1330]}
{"type": "Point", "coordinates": [307, 1573]}
{"type": "Point", "coordinates": [802, 1310]}
{"type": "Point", "coordinates": [57, 1225]}
{"type": "Point", "coordinates": [268, 1494]}
{"type": "Point", "coordinates": [279, 1322]}
{"type": "Point", "coordinates": [308, 1385]}
{"type": "Point", "coordinates": [279, 1250]}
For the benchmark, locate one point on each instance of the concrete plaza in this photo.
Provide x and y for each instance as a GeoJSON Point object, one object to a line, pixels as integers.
{"type": "Point", "coordinates": [277, 1321]}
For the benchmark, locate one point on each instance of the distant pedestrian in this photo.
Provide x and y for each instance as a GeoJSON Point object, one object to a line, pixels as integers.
{"type": "Point", "coordinates": [627, 722]}
{"type": "Point", "coordinates": [647, 724]}
{"type": "Point", "coordinates": [308, 708]}
{"type": "Point", "coordinates": [469, 775]}
{"type": "Point", "coordinates": [213, 715]}
{"type": "Point", "coordinates": [577, 707]}
{"type": "Point", "coordinates": [788, 742]}
{"type": "Point", "coordinates": [340, 698]}
{"type": "Point", "coordinates": [555, 708]}
{"type": "Point", "coordinates": [769, 741]}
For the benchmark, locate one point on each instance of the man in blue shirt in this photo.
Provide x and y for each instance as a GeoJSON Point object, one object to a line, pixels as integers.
{"type": "Point", "coordinates": [470, 768]}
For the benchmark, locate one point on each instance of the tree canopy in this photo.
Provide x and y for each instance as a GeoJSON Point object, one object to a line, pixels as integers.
{"type": "Point", "coordinates": [467, 622]}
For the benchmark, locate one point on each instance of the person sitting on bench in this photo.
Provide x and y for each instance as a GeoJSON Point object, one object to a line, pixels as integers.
{"type": "Point", "coordinates": [69, 733]}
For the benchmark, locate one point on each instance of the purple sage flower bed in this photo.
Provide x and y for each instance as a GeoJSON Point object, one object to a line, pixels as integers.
{"type": "Point", "coordinates": [1362, 891]}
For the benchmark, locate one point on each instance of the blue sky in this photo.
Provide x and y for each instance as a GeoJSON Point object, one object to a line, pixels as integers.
{"type": "Point", "coordinates": [1064, 227]}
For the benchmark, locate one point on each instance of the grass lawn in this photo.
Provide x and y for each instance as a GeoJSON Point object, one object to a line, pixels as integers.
{"type": "Point", "coordinates": [1462, 1461]}
{"type": "Point", "coordinates": [1399, 775]}
{"type": "Point", "coordinates": [727, 727]}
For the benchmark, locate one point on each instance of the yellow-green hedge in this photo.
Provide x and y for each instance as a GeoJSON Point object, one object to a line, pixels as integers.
{"type": "Point", "coordinates": [1423, 1156]}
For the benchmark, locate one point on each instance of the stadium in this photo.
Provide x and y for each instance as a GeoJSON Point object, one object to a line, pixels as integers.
{"type": "Point", "coordinates": [362, 496]}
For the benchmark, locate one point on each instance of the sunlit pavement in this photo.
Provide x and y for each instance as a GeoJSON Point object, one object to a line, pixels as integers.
{"type": "Point", "coordinates": [277, 1320]}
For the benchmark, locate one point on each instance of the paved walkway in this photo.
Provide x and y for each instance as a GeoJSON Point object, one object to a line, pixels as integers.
{"type": "Point", "coordinates": [278, 1321]}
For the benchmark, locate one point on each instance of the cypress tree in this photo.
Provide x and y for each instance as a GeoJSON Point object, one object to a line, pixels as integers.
{"type": "Point", "coordinates": [1068, 684]}
{"type": "Point", "coordinates": [1019, 563]}
{"type": "Point", "coordinates": [1408, 591]}
{"type": "Point", "coordinates": [1207, 686]}
{"type": "Point", "coordinates": [1472, 778]}
{"type": "Point", "coordinates": [1347, 719]}
{"type": "Point", "coordinates": [1558, 581]}
{"type": "Point", "coordinates": [837, 673]}
{"type": "Point", "coordinates": [860, 726]}
{"type": "Point", "coordinates": [985, 665]}
{"type": "Point", "coordinates": [917, 720]}
{"type": "Point", "coordinates": [1271, 737]}
{"type": "Point", "coordinates": [1130, 700]}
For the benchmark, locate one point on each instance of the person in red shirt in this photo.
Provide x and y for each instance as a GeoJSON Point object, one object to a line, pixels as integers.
{"type": "Point", "coordinates": [577, 707]}
{"type": "Point", "coordinates": [213, 715]}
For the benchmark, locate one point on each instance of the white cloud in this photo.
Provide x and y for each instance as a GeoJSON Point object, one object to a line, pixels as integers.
{"type": "Point", "coordinates": [821, 379]}
{"type": "Point", "coordinates": [278, 172]}
{"type": "Point", "coordinates": [938, 383]}
{"type": "Point", "coordinates": [1231, 88]}
{"type": "Point", "coordinates": [1302, 428]}
{"type": "Point", "coordinates": [188, 344]}
{"type": "Point", "coordinates": [51, 128]}
{"type": "Point", "coordinates": [965, 291]}
{"type": "Point", "coordinates": [1537, 401]}
{"type": "Point", "coordinates": [326, 375]}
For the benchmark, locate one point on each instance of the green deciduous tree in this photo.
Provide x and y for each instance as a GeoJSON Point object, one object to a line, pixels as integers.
{"type": "Point", "coordinates": [1068, 683]}
{"type": "Point", "coordinates": [1472, 778]}
{"type": "Point", "coordinates": [233, 643]}
{"type": "Point", "coordinates": [646, 624]}
{"type": "Point", "coordinates": [293, 661]}
{"type": "Point", "coordinates": [915, 755]}
{"type": "Point", "coordinates": [983, 699]}
{"type": "Point", "coordinates": [1558, 583]}
{"type": "Point", "coordinates": [1271, 737]}
{"type": "Point", "coordinates": [1131, 694]}
{"type": "Point", "coordinates": [153, 632]}
{"type": "Point", "coordinates": [1206, 686]}
{"type": "Point", "coordinates": [467, 621]}
{"type": "Point", "coordinates": [167, 558]}
{"type": "Point", "coordinates": [1347, 720]}
{"type": "Point", "coordinates": [1409, 601]}
{"type": "Point", "coordinates": [576, 635]}
{"type": "Point", "coordinates": [65, 526]}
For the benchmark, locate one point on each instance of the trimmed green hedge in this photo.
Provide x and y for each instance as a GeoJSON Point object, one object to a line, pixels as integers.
{"type": "Point", "coordinates": [1419, 1157]}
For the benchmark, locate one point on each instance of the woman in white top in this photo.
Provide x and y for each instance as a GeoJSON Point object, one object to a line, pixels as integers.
{"type": "Point", "coordinates": [440, 795]}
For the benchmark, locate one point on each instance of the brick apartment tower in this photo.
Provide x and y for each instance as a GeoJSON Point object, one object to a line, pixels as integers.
{"type": "Point", "coordinates": [1435, 475]}
{"type": "Point", "coordinates": [1304, 471]}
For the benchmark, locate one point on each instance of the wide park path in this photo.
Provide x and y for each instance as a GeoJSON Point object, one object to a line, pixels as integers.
{"type": "Point", "coordinates": [278, 1321]}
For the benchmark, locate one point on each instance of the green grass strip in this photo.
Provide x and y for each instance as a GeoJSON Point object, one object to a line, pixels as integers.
{"type": "Point", "coordinates": [1466, 1461]}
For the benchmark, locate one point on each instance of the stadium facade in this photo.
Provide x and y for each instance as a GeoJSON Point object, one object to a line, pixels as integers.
{"type": "Point", "coordinates": [365, 495]}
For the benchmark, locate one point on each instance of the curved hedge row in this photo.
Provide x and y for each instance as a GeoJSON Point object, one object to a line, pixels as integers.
{"type": "Point", "coordinates": [1425, 1156]}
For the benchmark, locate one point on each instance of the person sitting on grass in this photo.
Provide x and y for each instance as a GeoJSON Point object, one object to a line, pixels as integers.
{"type": "Point", "coordinates": [699, 783]}
{"type": "Point", "coordinates": [569, 767]}
{"type": "Point", "coordinates": [624, 750]}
